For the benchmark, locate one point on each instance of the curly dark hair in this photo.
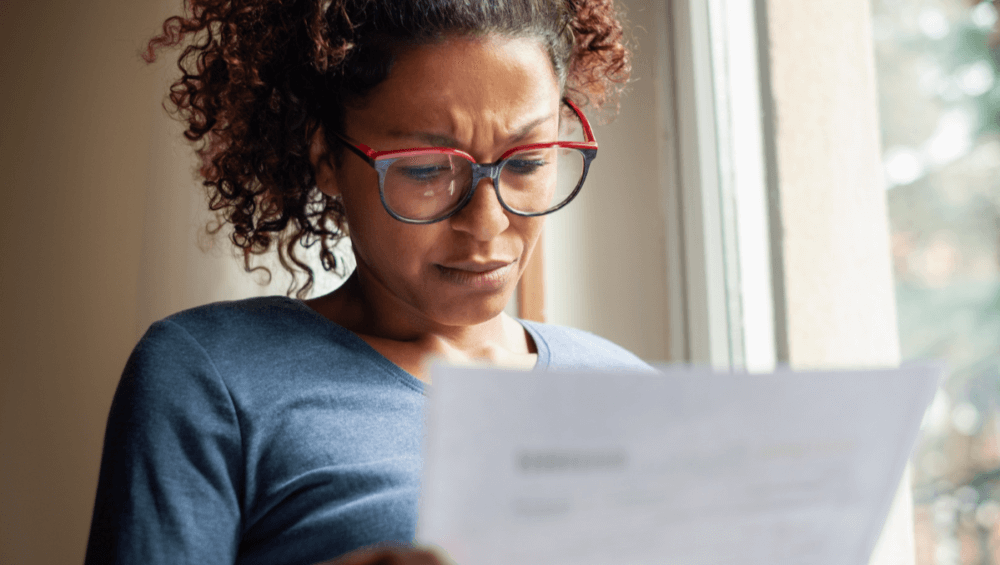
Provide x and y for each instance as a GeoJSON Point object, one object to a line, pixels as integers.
{"type": "Point", "coordinates": [259, 77]}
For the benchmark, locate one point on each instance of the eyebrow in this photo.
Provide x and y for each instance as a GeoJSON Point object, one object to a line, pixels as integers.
{"type": "Point", "coordinates": [439, 140]}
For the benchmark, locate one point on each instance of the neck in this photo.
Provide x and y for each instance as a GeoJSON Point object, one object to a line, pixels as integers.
{"type": "Point", "coordinates": [411, 339]}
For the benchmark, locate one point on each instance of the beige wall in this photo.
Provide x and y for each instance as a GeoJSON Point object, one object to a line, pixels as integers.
{"type": "Point", "coordinates": [75, 126]}
{"type": "Point", "coordinates": [101, 238]}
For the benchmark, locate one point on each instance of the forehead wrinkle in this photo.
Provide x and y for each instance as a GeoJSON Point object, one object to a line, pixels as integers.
{"type": "Point", "coordinates": [459, 133]}
{"type": "Point", "coordinates": [475, 114]}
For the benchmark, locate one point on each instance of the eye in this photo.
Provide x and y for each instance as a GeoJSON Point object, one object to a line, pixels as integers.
{"type": "Point", "coordinates": [425, 173]}
{"type": "Point", "coordinates": [525, 166]}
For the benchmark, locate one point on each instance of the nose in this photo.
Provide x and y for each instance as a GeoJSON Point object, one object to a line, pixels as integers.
{"type": "Point", "coordinates": [483, 217]}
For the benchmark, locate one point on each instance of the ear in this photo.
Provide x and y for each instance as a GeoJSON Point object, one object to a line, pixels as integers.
{"type": "Point", "coordinates": [322, 164]}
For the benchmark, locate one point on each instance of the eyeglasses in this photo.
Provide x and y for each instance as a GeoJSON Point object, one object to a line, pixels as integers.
{"type": "Point", "coordinates": [427, 185]}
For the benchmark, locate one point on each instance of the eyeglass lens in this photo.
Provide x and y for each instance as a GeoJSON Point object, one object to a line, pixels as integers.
{"type": "Point", "coordinates": [425, 187]}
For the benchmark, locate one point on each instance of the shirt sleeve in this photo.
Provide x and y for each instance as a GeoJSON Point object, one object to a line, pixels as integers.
{"type": "Point", "coordinates": [169, 488]}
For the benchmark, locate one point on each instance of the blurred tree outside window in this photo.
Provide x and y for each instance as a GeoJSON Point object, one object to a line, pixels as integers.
{"type": "Point", "coordinates": [938, 68]}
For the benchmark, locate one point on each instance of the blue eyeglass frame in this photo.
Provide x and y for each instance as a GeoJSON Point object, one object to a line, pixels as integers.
{"type": "Point", "coordinates": [382, 160]}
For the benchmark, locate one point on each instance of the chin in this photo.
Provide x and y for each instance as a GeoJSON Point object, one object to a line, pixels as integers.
{"type": "Point", "coordinates": [469, 311]}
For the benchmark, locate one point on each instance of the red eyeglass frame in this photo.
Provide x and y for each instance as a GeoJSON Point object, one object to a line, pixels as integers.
{"type": "Point", "coordinates": [382, 160]}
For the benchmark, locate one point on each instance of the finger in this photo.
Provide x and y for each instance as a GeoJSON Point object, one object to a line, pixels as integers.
{"type": "Point", "coordinates": [441, 557]}
{"type": "Point", "coordinates": [366, 556]}
{"type": "Point", "coordinates": [425, 556]}
{"type": "Point", "coordinates": [401, 555]}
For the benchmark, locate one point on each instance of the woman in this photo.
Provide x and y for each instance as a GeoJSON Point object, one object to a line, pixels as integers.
{"type": "Point", "coordinates": [275, 430]}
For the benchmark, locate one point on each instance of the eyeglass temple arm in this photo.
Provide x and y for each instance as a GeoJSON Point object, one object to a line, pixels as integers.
{"type": "Point", "coordinates": [589, 133]}
{"type": "Point", "coordinates": [359, 149]}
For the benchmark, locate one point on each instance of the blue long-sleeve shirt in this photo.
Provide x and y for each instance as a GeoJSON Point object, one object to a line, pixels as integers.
{"type": "Point", "coordinates": [258, 431]}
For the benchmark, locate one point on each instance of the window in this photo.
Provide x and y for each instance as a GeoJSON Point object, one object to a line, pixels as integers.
{"type": "Point", "coordinates": [936, 64]}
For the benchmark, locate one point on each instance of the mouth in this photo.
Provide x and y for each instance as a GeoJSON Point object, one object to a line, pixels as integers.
{"type": "Point", "coordinates": [479, 275]}
{"type": "Point", "coordinates": [478, 266]}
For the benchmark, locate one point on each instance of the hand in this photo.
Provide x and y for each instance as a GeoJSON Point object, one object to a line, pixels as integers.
{"type": "Point", "coordinates": [390, 555]}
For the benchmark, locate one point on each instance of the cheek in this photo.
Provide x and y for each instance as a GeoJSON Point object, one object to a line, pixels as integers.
{"type": "Point", "coordinates": [532, 230]}
{"type": "Point", "coordinates": [367, 220]}
{"type": "Point", "coordinates": [358, 184]}
{"type": "Point", "coordinates": [387, 245]}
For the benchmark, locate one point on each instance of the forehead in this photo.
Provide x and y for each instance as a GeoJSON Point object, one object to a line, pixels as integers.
{"type": "Point", "coordinates": [461, 80]}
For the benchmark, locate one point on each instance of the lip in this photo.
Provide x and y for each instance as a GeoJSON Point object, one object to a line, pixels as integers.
{"type": "Point", "coordinates": [478, 275]}
{"type": "Point", "coordinates": [478, 266]}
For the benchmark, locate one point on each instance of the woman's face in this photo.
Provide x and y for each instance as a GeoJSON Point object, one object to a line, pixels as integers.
{"type": "Point", "coordinates": [480, 95]}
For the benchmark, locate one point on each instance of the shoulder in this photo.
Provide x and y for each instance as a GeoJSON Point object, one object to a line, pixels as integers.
{"type": "Point", "coordinates": [251, 327]}
{"type": "Point", "coordinates": [265, 313]}
{"type": "Point", "coordinates": [189, 347]}
{"type": "Point", "coordinates": [571, 348]}
{"type": "Point", "coordinates": [247, 343]}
